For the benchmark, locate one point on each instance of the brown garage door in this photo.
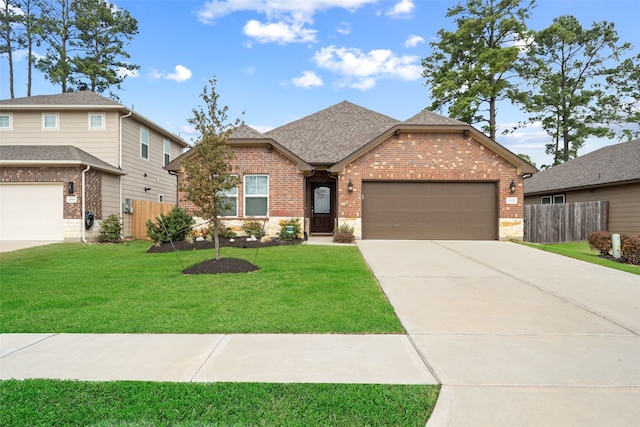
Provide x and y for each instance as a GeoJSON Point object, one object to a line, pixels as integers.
{"type": "Point", "coordinates": [430, 210]}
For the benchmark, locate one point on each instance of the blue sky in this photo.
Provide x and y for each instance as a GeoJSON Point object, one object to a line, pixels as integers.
{"type": "Point", "coordinates": [280, 60]}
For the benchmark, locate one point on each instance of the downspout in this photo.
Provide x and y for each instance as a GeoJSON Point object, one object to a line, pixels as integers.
{"type": "Point", "coordinates": [177, 175]}
{"type": "Point", "coordinates": [84, 203]}
{"type": "Point", "coordinates": [120, 166]}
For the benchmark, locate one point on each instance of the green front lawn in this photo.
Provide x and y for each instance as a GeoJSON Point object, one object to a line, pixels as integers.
{"type": "Point", "coordinates": [582, 251]}
{"type": "Point", "coordinates": [122, 289]}
{"type": "Point", "coordinates": [72, 403]}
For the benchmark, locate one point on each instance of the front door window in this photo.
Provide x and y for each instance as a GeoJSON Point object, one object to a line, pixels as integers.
{"type": "Point", "coordinates": [322, 200]}
{"type": "Point", "coordinates": [322, 208]}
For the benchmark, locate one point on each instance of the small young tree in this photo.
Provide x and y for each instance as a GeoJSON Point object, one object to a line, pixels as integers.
{"type": "Point", "coordinates": [208, 171]}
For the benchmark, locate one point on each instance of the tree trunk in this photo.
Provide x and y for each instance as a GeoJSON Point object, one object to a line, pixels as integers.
{"type": "Point", "coordinates": [216, 240]}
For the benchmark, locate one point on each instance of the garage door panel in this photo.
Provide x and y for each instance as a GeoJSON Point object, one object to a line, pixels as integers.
{"type": "Point", "coordinates": [429, 210]}
{"type": "Point", "coordinates": [31, 212]}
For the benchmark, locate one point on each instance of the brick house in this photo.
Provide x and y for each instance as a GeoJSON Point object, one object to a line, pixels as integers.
{"type": "Point", "coordinates": [63, 156]}
{"type": "Point", "coordinates": [428, 177]}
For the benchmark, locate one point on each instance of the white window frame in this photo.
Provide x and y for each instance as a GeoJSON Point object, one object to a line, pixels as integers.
{"type": "Point", "coordinates": [10, 124]}
{"type": "Point", "coordinates": [248, 195]}
{"type": "Point", "coordinates": [558, 196]}
{"type": "Point", "coordinates": [143, 143]}
{"type": "Point", "coordinates": [103, 124]}
{"type": "Point", "coordinates": [551, 199]}
{"type": "Point", "coordinates": [44, 121]}
{"type": "Point", "coordinates": [166, 152]}
{"type": "Point", "coordinates": [160, 198]}
{"type": "Point", "coordinates": [233, 193]}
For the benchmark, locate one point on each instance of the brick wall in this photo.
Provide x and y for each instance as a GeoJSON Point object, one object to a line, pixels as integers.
{"type": "Point", "coordinates": [286, 184]}
{"type": "Point", "coordinates": [426, 157]}
{"type": "Point", "coordinates": [63, 174]}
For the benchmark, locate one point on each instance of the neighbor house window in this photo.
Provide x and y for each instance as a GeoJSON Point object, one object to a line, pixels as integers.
{"type": "Point", "coordinates": [144, 143]}
{"type": "Point", "coordinates": [256, 195]}
{"type": "Point", "coordinates": [50, 121]}
{"type": "Point", "coordinates": [5, 121]}
{"type": "Point", "coordinates": [230, 200]}
{"type": "Point", "coordinates": [552, 200]}
{"type": "Point", "coordinates": [167, 152]}
{"type": "Point", "coordinates": [96, 121]}
{"type": "Point", "coordinates": [161, 198]}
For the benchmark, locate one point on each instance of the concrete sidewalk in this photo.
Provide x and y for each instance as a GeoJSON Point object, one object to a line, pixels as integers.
{"type": "Point", "coordinates": [288, 358]}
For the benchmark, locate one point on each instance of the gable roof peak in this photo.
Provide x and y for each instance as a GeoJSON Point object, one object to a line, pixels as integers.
{"type": "Point", "coordinates": [427, 117]}
{"type": "Point", "coordinates": [329, 135]}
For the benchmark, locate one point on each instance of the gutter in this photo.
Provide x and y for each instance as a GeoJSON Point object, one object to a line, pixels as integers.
{"type": "Point", "coordinates": [84, 203]}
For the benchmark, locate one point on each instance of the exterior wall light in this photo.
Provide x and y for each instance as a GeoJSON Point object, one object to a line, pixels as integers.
{"type": "Point", "coordinates": [350, 186]}
{"type": "Point", "coordinates": [512, 186]}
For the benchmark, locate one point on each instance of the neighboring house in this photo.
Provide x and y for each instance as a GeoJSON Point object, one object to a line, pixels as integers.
{"type": "Point", "coordinates": [62, 156]}
{"type": "Point", "coordinates": [429, 177]}
{"type": "Point", "coordinates": [611, 173]}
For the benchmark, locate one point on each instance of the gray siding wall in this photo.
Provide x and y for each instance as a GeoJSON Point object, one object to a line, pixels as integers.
{"type": "Point", "coordinates": [624, 204]}
{"type": "Point", "coordinates": [73, 129]}
{"type": "Point", "coordinates": [110, 195]}
{"type": "Point", "coordinates": [157, 178]}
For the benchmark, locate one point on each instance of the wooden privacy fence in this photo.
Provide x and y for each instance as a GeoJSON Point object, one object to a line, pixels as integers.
{"type": "Point", "coordinates": [142, 212]}
{"type": "Point", "coordinates": [564, 222]}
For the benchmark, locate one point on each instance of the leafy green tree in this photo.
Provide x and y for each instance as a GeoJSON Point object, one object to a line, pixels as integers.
{"type": "Point", "coordinates": [85, 42]}
{"type": "Point", "coordinates": [208, 171]}
{"type": "Point", "coordinates": [31, 22]}
{"type": "Point", "coordinates": [527, 159]}
{"type": "Point", "coordinates": [19, 25]}
{"type": "Point", "coordinates": [103, 32]}
{"type": "Point", "coordinates": [471, 69]}
{"type": "Point", "coordinates": [573, 75]}
{"type": "Point", "coordinates": [9, 18]}
{"type": "Point", "coordinates": [58, 32]}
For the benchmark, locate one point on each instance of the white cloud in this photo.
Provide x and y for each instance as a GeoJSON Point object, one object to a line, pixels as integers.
{"type": "Point", "coordinates": [214, 9]}
{"type": "Point", "coordinates": [401, 9]}
{"type": "Point", "coordinates": [413, 41]}
{"type": "Point", "coordinates": [308, 79]}
{"type": "Point", "coordinates": [361, 70]}
{"type": "Point", "coordinates": [123, 72]}
{"type": "Point", "coordinates": [180, 75]}
{"type": "Point", "coordinates": [279, 32]}
{"type": "Point", "coordinates": [286, 19]}
{"type": "Point", "coordinates": [344, 28]}
{"type": "Point", "coordinates": [187, 130]}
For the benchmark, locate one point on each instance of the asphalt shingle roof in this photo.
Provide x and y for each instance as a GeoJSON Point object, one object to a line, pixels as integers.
{"type": "Point", "coordinates": [245, 132]}
{"type": "Point", "coordinates": [608, 165]}
{"type": "Point", "coordinates": [426, 117]}
{"type": "Point", "coordinates": [83, 97]}
{"type": "Point", "coordinates": [330, 135]}
{"type": "Point", "coordinates": [52, 154]}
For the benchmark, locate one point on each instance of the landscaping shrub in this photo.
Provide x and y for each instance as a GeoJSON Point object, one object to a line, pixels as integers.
{"type": "Point", "coordinates": [223, 231]}
{"type": "Point", "coordinates": [600, 241]}
{"type": "Point", "coordinates": [253, 227]}
{"type": "Point", "coordinates": [631, 249]}
{"type": "Point", "coordinates": [294, 227]}
{"type": "Point", "coordinates": [176, 225]}
{"type": "Point", "coordinates": [111, 229]}
{"type": "Point", "coordinates": [344, 234]}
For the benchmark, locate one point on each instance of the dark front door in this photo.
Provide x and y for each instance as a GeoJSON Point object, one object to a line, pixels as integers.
{"type": "Point", "coordinates": [321, 208]}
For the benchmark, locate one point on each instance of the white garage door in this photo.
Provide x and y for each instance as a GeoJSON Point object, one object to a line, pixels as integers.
{"type": "Point", "coordinates": [31, 212]}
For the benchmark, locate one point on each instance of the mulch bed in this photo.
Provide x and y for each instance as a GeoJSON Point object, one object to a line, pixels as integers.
{"type": "Point", "coordinates": [224, 265]}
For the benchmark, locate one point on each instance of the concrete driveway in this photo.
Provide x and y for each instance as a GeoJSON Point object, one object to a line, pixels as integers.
{"type": "Point", "coordinates": [517, 336]}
